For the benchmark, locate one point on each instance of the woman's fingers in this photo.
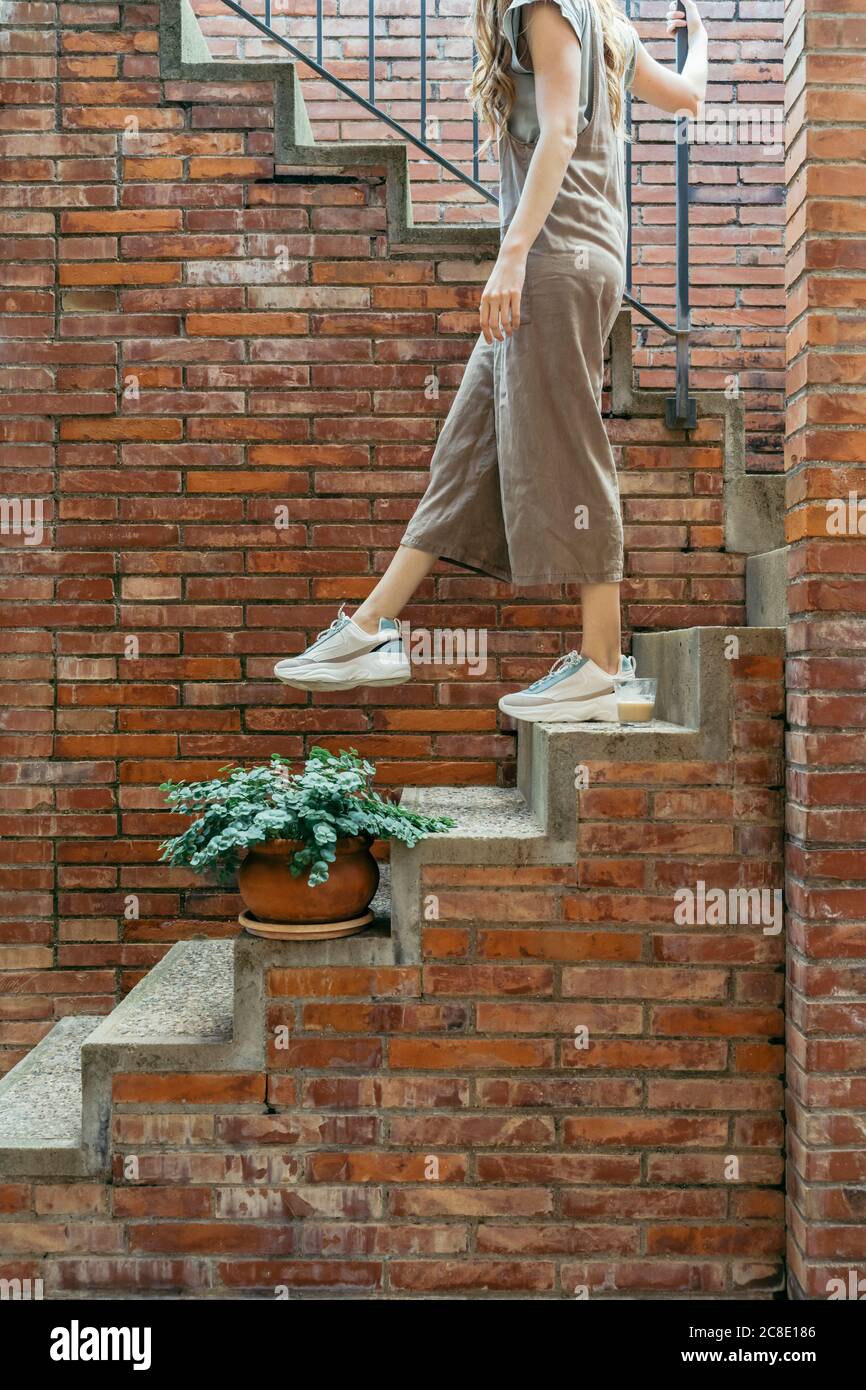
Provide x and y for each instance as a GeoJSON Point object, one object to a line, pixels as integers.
{"type": "Point", "coordinates": [499, 315]}
{"type": "Point", "coordinates": [496, 317]}
{"type": "Point", "coordinates": [484, 316]}
{"type": "Point", "coordinates": [490, 318]}
{"type": "Point", "coordinates": [679, 19]}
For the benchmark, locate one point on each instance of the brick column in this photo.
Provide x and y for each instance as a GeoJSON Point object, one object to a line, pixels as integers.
{"type": "Point", "coordinates": [826, 460]}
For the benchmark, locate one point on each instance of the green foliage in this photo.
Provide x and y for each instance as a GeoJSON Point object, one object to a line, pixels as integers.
{"type": "Point", "coordinates": [330, 799]}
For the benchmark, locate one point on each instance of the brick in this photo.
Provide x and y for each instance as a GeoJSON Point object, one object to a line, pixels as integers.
{"type": "Point", "coordinates": [485, 1054]}
{"type": "Point", "coordinates": [313, 1274]}
{"type": "Point", "coordinates": [192, 1089]}
{"type": "Point", "coordinates": [644, 1276]}
{"type": "Point", "coordinates": [70, 1199]}
{"type": "Point", "coordinates": [206, 1237]}
{"type": "Point", "coordinates": [132, 1274]}
{"type": "Point", "coordinates": [713, 1240]}
{"type": "Point", "coordinates": [161, 1202]}
{"type": "Point", "coordinates": [501, 1239]}
{"type": "Point", "coordinates": [14, 1197]}
{"type": "Point", "coordinates": [471, 1275]}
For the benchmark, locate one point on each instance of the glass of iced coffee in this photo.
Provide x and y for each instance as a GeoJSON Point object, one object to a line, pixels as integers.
{"type": "Point", "coordinates": [636, 701]}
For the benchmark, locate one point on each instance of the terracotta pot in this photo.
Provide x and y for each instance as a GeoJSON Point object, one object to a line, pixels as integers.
{"type": "Point", "coordinates": [272, 895]}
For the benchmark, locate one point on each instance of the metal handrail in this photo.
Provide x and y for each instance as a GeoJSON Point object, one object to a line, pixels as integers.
{"type": "Point", "coordinates": [628, 236]}
{"type": "Point", "coordinates": [680, 409]}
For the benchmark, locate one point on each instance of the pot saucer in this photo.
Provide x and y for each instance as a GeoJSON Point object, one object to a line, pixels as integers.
{"type": "Point", "coordinates": [304, 931]}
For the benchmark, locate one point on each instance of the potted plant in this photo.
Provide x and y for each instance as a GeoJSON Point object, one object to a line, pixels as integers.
{"type": "Point", "coordinates": [299, 842]}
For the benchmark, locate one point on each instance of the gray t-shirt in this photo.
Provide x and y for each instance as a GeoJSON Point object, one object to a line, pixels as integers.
{"type": "Point", "coordinates": [523, 121]}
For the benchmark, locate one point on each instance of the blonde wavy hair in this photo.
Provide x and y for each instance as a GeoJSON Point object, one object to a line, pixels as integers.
{"type": "Point", "coordinates": [492, 89]}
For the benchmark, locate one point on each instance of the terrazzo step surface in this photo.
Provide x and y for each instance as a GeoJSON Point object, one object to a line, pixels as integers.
{"type": "Point", "coordinates": [479, 813]}
{"type": "Point", "coordinates": [188, 997]}
{"type": "Point", "coordinates": [40, 1099]}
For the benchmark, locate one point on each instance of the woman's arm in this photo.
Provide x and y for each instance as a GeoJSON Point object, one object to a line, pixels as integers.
{"type": "Point", "coordinates": [675, 91]}
{"type": "Point", "coordinates": [555, 51]}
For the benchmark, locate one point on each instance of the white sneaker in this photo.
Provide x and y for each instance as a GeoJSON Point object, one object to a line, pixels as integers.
{"type": "Point", "coordinates": [344, 656]}
{"type": "Point", "coordinates": [573, 691]}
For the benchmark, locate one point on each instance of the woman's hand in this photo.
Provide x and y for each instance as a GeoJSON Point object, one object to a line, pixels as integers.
{"type": "Point", "coordinates": [691, 19]}
{"type": "Point", "coordinates": [661, 85]}
{"type": "Point", "coordinates": [500, 302]}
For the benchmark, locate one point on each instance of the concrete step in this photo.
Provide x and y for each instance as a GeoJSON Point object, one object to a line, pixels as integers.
{"type": "Point", "coordinates": [185, 1000]}
{"type": "Point", "coordinates": [40, 1104]}
{"type": "Point", "coordinates": [767, 588]}
{"type": "Point", "coordinates": [754, 502]}
{"type": "Point", "coordinates": [184, 56]}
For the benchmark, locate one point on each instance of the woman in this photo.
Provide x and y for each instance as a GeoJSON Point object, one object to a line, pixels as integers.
{"type": "Point", "coordinates": [523, 484]}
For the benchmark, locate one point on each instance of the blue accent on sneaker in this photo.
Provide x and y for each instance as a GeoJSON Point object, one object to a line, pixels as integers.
{"type": "Point", "coordinates": [566, 666]}
{"type": "Point", "coordinates": [386, 627]}
{"type": "Point", "coordinates": [570, 663]}
{"type": "Point", "coordinates": [336, 626]}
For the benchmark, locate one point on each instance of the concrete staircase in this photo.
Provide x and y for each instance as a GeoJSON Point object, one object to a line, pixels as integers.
{"type": "Point", "coordinates": [754, 502]}
{"type": "Point", "coordinates": [201, 1009]}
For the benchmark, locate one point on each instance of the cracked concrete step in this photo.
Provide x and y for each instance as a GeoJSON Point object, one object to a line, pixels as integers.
{"type": "Point", "coordinates": [40, 1104]}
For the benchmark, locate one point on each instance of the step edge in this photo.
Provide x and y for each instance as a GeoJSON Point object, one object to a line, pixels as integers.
{"type": "Point", "coordinates": [150, 984]}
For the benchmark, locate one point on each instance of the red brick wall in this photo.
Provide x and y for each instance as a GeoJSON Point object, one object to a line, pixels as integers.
{"type": "Point", "coordinates": [168, 386]}
{"type": "Point", "coordinates": [737, 213]}
{"type": "Point", "coordinates": [827, 652]}
{"type": "Point", "coordinates": [437, 1130]}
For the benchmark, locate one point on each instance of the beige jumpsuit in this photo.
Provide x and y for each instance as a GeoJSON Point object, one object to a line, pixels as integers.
{"type": "Point", "coordinates": [523, 483]}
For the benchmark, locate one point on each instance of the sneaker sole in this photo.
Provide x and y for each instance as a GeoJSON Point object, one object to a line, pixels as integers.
{"type": "Point", "coordinates": [333, 678]}
{"type": "Point", "coordinates": [564, 711]}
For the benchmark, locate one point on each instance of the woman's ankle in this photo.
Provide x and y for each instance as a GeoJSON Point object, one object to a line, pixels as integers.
{"type": "Point", "coordinates": [367, 618]}
{"type": "Point", "coordinates": [607, 659]}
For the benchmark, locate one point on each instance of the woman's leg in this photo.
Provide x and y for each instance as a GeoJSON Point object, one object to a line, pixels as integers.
{"type": "Point", "coordinates": [577, 691]}
{"type": "Point", "coordinates": [602, 635]}
{"type": "Point", "coordinates": [402, 577]}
